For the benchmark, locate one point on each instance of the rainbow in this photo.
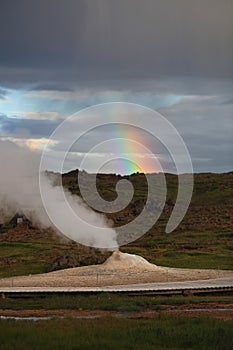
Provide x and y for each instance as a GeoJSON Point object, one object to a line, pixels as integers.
{"type": "Point", "coordinates": [132, 156]}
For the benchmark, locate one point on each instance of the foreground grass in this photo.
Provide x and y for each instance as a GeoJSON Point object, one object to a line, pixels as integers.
{"type": "Point", "coordinates": [162, 332]}
{"type": "Point", "coordinates": [105, 301]}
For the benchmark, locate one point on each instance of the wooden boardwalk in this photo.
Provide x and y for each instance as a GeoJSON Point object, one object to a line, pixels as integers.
{"type": "Point", "coordinates": [219, 284]}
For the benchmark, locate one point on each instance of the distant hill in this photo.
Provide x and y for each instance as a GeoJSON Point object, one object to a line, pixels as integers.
{"type": "Point", "coordinates": [211, 206]}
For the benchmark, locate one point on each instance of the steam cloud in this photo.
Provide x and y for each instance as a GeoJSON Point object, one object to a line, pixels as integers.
{"type": "Point", "coordinates": [20, 192]}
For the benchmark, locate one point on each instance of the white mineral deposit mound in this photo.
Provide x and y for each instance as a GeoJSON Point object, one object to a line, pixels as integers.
{"type": "Point", "coordinates": [124, 261]}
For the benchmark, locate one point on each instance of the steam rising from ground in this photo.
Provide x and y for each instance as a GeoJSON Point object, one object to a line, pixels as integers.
{"type": "Point", "coordinates": [19, 192]}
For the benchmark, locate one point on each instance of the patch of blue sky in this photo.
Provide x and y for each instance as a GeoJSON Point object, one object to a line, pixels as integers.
{"type": "Point", "coordinates": [18, 102]}
{"type": "Point", "coordinates": [14, 103]}
{"type": "Point", "coordinates": [147, 99]}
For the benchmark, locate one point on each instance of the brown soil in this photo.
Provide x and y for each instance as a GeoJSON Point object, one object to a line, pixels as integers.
{"type": "Point", "coordinates": [213, 310]}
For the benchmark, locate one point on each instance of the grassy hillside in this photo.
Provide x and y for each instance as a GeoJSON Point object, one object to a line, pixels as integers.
{"type": "Point", "coordinates": [204, 239]}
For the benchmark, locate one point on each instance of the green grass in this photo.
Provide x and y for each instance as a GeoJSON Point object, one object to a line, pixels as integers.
{"type": "Point", "coordinates": [196, 260]}
{"type": "Point", "coordinates": [30, 256]}
{"type": "Point", "coordinates": [24, 268]}
{"type": "Point", "coordinates": [162, 332]}
{"type": "Point", "coordinates": [105, 301]}
{"type": "Point", "coordinates": [189, 249]}
{"type": "Point", "coordinates": [23, 258]}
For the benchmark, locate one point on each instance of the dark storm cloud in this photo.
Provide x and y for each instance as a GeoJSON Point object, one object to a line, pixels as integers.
{"type": "Point", "coordinates": [123, 39]}
{"type": "Point", "coordinates": [50, 87]}
{"type": "Point", "coordinates": [205, 124]}
{"type": "Point", "coordinates": [39, 33]}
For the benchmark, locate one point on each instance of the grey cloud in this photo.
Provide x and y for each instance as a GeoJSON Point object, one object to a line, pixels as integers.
{"type": "Point", "coordinates": [206, 127]}
{"type": "Point", "coordinates": [40, 33]}
{"type": "Point", "coordinates": [51, 87]}
{"type": "Point", "coordinates": [109, 39]}
{"type": "Point", "coordinates": [228, 102]}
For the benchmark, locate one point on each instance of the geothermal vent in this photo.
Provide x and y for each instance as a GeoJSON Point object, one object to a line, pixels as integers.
{"type": "Point", "coordinates": [124, 261]}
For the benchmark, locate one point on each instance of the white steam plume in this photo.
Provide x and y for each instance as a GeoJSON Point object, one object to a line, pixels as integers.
{"type": "Point", "coordinates": [19, 191]}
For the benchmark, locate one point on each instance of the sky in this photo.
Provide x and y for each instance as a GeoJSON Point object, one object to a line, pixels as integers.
{"type": "Point", "coordinates": [174, 56]}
